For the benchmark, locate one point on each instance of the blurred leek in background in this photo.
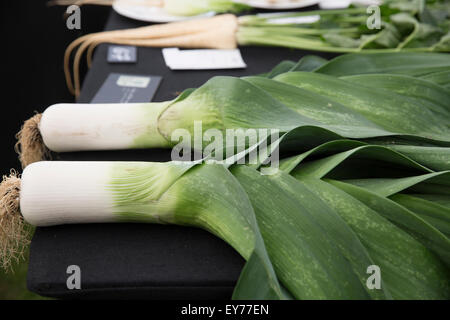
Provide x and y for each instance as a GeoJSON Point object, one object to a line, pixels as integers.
{"type": "Point", "coordinates": [404, 25]}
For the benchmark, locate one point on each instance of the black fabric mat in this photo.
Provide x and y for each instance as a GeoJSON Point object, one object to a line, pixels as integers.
{"type": "Point", "coordinates": [135, 260]}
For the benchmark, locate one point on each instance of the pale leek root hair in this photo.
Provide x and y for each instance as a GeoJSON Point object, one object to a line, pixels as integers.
{"type": "Point", "coordinates": [30, 146]}
{"type": "Point", "coordinates": [14, 236]}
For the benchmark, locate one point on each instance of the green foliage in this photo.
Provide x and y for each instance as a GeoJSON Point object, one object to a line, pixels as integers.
{"type": "Point", "coordinates": [13, 283]}
{"type": "Point", "coordinates": [407, 25]}
{"type": "Point", "coordinates": [363, 178]}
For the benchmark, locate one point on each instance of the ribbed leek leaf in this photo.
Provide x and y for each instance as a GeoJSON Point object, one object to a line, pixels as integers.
{"type": "Point", "coordinates": [327, 112]}
{"type": "Point", "coordinates": [316, 256]}
{"type": "Point", "coordinates": [432, 183]}
{"type": "Point", "coordinates": [282, 67]}
{"type": "Point", "coordinates": [441, 78]}
{"type": "Point", "coordinates": [435, 158]}
{"type": "Point", "coordinates": [413, 64]}
{"type": "Point", "coordinates": [429, 94]}
{"type": "Point", "coordinates": [389, 163]}
{"type": "Point", "coordinates": [434, 213]}
{"type": "Point", "coordinates": [309, 63]}
{"type": "Point", "coordinates": [389, 110]}
{"type": "Point", "coordinates": [412, 223]}
{"type": "Point", "coordinates": [409, 269]}
{"type": "Point", "coordinates": [441, 199]}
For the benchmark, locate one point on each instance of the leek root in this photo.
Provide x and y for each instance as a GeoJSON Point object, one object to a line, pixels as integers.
{"type": "Point", "coordinates": [30, 146]}
{"type": "Point", "coordinates": [13, 233]}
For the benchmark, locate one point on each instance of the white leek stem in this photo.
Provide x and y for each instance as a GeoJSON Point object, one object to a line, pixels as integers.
{"type": "Point", "coordinates": [54, 193]}
{"type": "Point", "coordinates": [80, 127]}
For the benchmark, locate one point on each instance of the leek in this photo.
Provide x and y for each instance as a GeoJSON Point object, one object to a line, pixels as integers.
{"type": "Point", "coordinates": [329, 213]}
{"type": "Point", "coordinates": [365, 105]}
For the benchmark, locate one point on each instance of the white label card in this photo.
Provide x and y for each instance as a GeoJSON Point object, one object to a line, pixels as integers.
{"type": "Point", "coordinates": [133, 81]}
{"type": "Point", "coordinates": [203, 59]}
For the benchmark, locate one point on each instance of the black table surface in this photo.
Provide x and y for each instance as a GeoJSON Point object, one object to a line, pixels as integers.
{"type": "Point", "coordinates": [141, 261]}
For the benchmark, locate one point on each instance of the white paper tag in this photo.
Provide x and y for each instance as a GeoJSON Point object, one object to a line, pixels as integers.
{"type": "Point", "coordinates": [203, 59]}
{"type": "Point", "coordinates": [133, 81]}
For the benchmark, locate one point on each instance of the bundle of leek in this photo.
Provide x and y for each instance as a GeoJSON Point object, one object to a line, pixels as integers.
{"type": "Point", "coordinates": [363, 179]}
{"type": "Point", "coordinates": [380, 96]}
{"type": "Point", "coordinates": [311, 231]}
{"type": "Point", "coordinates": [406, 25]}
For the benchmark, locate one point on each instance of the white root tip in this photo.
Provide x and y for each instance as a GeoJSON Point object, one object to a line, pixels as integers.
{"type": "Point", "coordinates": [14, 236]}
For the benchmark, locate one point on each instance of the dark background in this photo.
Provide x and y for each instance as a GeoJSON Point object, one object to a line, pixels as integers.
{"type": "Point", "coordinates": [34, 37]}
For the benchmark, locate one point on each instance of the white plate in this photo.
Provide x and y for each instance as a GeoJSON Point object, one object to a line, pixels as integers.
{"type": "Point", "coordinates": [284, 5]}
{"type": "Point", "coordinates": [150, 14]}
{"type": "Point", "coordinates": [342, 4]}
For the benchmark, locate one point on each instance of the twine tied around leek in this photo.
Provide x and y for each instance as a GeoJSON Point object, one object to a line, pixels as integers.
{"type": "Point", "coordinates": [14, 236]}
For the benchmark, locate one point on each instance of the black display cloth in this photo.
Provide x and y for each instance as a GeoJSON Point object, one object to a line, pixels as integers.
{"type": "Point", "coordinates": [141, 261]}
